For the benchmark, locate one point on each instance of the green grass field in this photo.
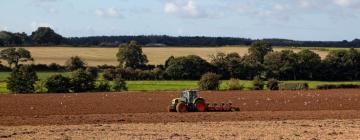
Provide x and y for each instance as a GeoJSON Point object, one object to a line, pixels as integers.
{"type": "Point", "coordinates": [164, 85]}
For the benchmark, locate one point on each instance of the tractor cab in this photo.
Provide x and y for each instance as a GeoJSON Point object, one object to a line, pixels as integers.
{"type": "Point", "coordinates": [188, 96]}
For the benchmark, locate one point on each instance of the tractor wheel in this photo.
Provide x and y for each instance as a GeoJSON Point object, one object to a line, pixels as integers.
{"type": "Point", "coordinates": [181, 107]}
{"type": "Point", "coordinates": [200, 106]}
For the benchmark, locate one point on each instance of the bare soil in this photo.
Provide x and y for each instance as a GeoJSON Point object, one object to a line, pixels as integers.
{"type": "Point", "coordinates": [327, 114]}
{"type": "Point", "coordinates": [150, 107]}
{"type": "Point", "coordinates": [247, 130]}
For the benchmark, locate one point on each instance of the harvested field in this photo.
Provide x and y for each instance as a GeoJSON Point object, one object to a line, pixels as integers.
{"type": "Point", "coordinates": [327, 114]}
{"type": "Point", "coordinates": [156, 55]}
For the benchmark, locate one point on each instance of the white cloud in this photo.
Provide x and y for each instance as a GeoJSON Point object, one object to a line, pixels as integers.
{"type": "Point", "coordinates": [109, 12]}
{"type": "Point", "coordinates": [344, 3]}
{"type": "Point", "coordinates": [171, 8]}
{"type": "Point", "coordinates": [3, 28]}
{"type": "Point", "coordinates": [314, 4]}
{"type": "Point", "coordinates": [34, 25]}
{"type": "Point", "coordinates": [187, 9]}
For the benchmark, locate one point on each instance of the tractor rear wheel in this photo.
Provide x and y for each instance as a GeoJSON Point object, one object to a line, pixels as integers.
{"type": "Point", "coordinates": [181, 107]}
{"type": "Point", "coordinates": [200, 106]}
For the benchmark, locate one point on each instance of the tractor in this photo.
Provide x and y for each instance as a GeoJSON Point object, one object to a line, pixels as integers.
{"type": "Point", "coordinates": [189, 101]}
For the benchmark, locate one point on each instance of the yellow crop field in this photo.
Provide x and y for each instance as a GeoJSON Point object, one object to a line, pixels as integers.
{"type": "Point", "coordinates": [157, 55]}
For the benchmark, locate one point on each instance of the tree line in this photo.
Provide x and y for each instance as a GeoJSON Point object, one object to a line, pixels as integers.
{"type": "Point", "coordinates": [47, 36]}
{"type": "Point", "coordinates": [261, 63]}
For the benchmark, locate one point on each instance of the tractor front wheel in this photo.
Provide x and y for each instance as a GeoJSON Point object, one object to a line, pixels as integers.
{"type": "Point", "coordinates": [170, 109]}
{"type": "Point", "coordinates": [181, 107]}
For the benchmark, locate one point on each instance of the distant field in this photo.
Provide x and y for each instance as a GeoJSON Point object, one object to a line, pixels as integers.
{"type": "Point", "coordinates": [156, 55]}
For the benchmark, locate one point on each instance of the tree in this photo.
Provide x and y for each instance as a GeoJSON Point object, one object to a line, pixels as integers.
{"type": "Point", "coordinates": [93, 71]}
{"type": "Point", "coordinates": [22, 80]}
{"type": "Point", "coordinates": [341, 65]}
{"type": "Point", "coordinates": [259, 49]}
{"type": "Point", "coordinates": [58, 84]}
{"type": "Point", "coordinates": [221, 64]}
{"type": "Point", "coordinates": [235, 65]}
{"type": "Point", "coordinates": [12, 39]}
{"type": "Point", "coordinates": [209, 81]}
{"type": "Point", "coordinates": [308, 63]}
{"type": "Point", "coordinates": [281, 65]}
{"type": "Point", "coordinates": [82, 81]}
{"type": "Point", "coordinates": [228, 65]}
{"type": "Point", "coordinates": [75, 63]}
{"type": "Point", "coordinates": [131, 55]}
{"type": "Point", "coordinates": [13, 56]}
{"type": "Point", "coordinates": [251, 67]}
{"type": "Point", "coordinates": [169, 61]}
{"type": "Point", "coordinates": [353, 62]}
{"type": "Point", "coordinates": [46, 36]}
{"type": "Point", "coordinates": [187, 67]}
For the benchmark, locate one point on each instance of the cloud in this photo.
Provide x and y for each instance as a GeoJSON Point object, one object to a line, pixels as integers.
{"type": "Point", "coordinates": [308, 3]}
{"type": "Point", "coordinates": [3, 28]}
{"type": "Point", "coordinates": [344, 3]}
{"type": "Point", "coordinates": [187, 9]}
{"type": "Point", "coordinates": [354, 4]}
{"type": "Point", "coordinates": [109, 12]}
{"type": "Point", "coordinates": [34, 25]}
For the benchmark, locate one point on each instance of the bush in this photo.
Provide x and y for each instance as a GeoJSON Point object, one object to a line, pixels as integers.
{"type": "Point", "coordinates": [22, 80]}
{"type": "Point", "coordinates": [258, 83]}
{"type": "Point", "coordinates": [75, 63]}
{"type": "Point", "coordinates": [56, 67]}
{"type": "Point", "coordinates": [58, 84]}
{"type": "Point", "coordinates": [93, 71]}
{"type": "Point", "coordinates": [103, 86]}
{"type": "Point", "coordinates": [105, 66]}
{"type": "Point", "coordinates": [234, 84]}
{"type": "Point", "coordinates": [209, 81]}
{"type": "Point", "coordinates": [82, 81]}
{"type": "Point", "coordinates": [109, 74]}
{"type": "Point", "coordinates": [40, 86]}
{"type": "Point", "coordinates": [50, 67]}
{"type": "Point", "coordinates": [273, 84]}
{"type": "Point", "coordinates": [336, 86]}
{"type": "Point", "coordinates": [294, 86]}
{"type": "Point", "coordinates": [119, 84]}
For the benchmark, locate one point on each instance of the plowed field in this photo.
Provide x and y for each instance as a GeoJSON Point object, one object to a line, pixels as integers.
{"type": "Point", "coordinates": [328, 114]}
{"type": "Point", "coordinates": [130, 107]}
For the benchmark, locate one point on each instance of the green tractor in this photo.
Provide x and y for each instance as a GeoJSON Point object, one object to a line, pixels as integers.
{"type": "Point", "coordinates": [188, 102]}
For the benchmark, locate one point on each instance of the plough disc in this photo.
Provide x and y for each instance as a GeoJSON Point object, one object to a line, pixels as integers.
{"type": "Point", "coordinates": [222, 107]}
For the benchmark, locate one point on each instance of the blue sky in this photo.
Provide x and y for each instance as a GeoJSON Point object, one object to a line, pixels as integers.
{"type": "Point", "coordinates": [290, 19]}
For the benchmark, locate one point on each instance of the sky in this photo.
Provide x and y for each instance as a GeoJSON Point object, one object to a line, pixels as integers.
{"type": "Point", "coordinates": [330, 20]}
